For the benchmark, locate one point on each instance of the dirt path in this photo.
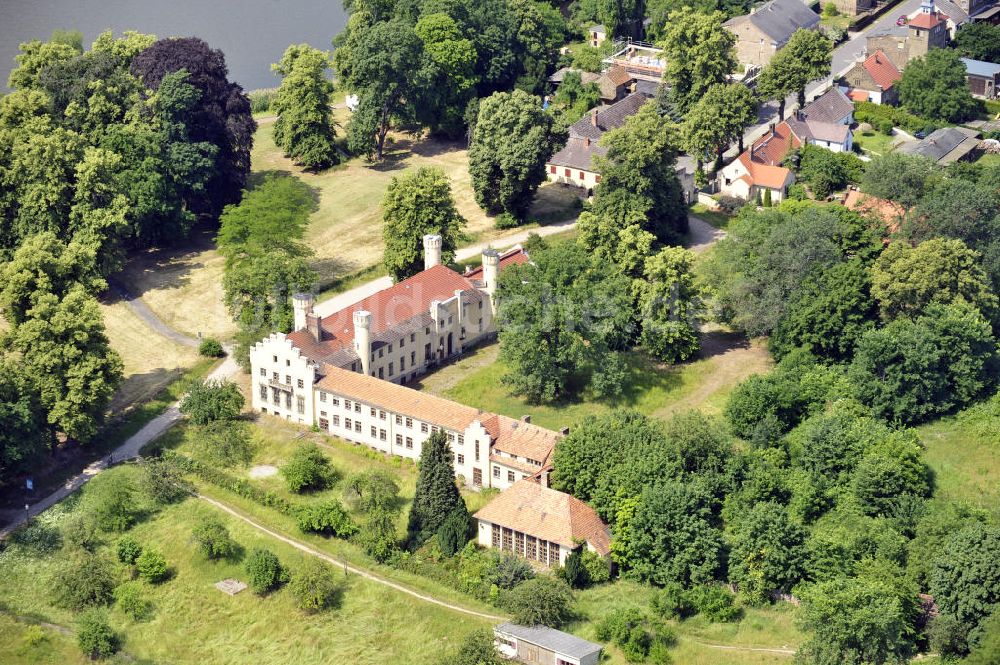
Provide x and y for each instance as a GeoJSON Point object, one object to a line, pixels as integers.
{"type": "Point", "coordinates": [299, 545]}
{"type": "Point", "coordinates": [140, 309]}
{"type": "Point", "coordinates": [726, 647]}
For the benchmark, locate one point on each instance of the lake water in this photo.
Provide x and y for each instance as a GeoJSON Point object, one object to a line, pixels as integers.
{"type": "Point", "coordinates": [252, 33]}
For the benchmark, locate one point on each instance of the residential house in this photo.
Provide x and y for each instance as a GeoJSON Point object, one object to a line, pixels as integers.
{"type": "Point", "coordinates": [765, 30]}
{"type": "Point", "coordinates": [872, 80]}
{"type": "Point", "coordinates": [544, 645]}
{"type": "Point", "coordinates": [541, 524]}
{"type": "Point", "coordinates": [983, 78]}
{"type": "Point", "coordinates": [596, 35]}
{"type": "Point", "coordinates": [642, 61]}
{"type": "Point", "coordinates": [613, 84]}
{"type": "Point", "coordinates": [945, 145]}
{"type": "Point", "coordinates": [927, 30]}
{"type": "Point", "coordinates": [575, 165]}
{"type": "Point", "coordinates": [824, 122]}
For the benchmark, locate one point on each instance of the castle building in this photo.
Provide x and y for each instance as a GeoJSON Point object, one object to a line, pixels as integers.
{"type": "Point", "coordinates": [343, 373]}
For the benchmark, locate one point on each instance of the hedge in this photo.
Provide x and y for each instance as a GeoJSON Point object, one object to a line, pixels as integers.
{"type": "Point", "coordinates": [877, 115]}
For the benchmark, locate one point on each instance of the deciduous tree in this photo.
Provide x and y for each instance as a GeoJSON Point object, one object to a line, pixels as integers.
{"type": "Point", "coordinates": [670, 305]}
{"type": "Point", "coordinates": [699, 53]}
{"type": "Point", "coordinates": [807, 56]}
{"type": "Point", "coordinates": [934, 86]}
{"type": "Point", "coordinates": [304, 128]}
{"type": "Point", "coordinates": [416, 204]}
{"type": "Point", "coordinates": [510, 144]}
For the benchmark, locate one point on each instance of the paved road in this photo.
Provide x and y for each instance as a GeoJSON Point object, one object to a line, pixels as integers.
{"type": "Point", "coordinates": [128, 450]}
{"type": "Point", "coordinates": [844, 56]}
{"type": "Point", "coordinates": [140, 309]}
{"type": "Point", "coordinates": [702, 235]}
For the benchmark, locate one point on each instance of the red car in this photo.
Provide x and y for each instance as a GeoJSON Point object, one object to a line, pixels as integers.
{"type": "Point", "coordinates": [902, 20]}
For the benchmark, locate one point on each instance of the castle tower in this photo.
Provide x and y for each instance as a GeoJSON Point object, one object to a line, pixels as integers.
{"type": "Point", "coordinates": [363, 339]}
{"type": "Point", "coordinates": [432, 250]}
{"type": "Point", "coordinates": [491, 270]}
{"type": "Point", "coordinates": [302, 305]}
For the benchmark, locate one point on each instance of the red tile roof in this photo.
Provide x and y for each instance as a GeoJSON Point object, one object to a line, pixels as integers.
{"type": "Point", "coordinates": [389, 307]}
{"type": "Point", "coordinates": [858, 95]}
{"type": "Point", "coordinates": [926, 21]}
{"type": "Point", "coordinates": [547, 514]}
{"type": "Point", "coordinates": [771, 148]}
{"type": "Point", "coordinates": [512, 257]}
{"type": "Point", "coordinates": [882, 71]}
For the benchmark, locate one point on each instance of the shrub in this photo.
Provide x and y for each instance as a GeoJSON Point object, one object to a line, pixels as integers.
{"type": "Point", "coordinates": [130, 600]}
{"type": "Point", "coordinates": [830, 9]}
{"type": "Point", "coordinates": [211, 348]}
{"type": "Point", "coordinates": [261, 100]}
{"type": "Point", "coordinates": [328, 517]}
{"type": "Point", "coordinates": [714, 602]}
{"type": "Point", "coordinates": [264, 571]}
{"type": "Point", "coordinates": [877, 114]}
{"type": "Point", "coordinates": [308, 469]}
{"type": "Point", "coordinates": [163, 481]}
{"type": "Point", "coordinates": [506, 220]}
{"type": "Point", "coordinates": [85, 582]}
{"type": "Point", "coordinates": [637, 637]}
{"type": "Point", "coordinates": [37, 538]}
{"type": "Point", "coordinates": [128, 550]}
{"type": "Point", "coordinates": [730, 204]}
{"type": "Point", "coordinates": [212, 400]}
{"type": "Point", "coordinates": [111, 499]}
{"type": "Point", "coordinates": [95, 637]}
{"type": "Point", "coordinates": [240, 486]}
{"type": "Point", "coordinates": [541, 601]}
{"type": "Point", "coordinates": [573, 571]}
{"type": "Point", "coordinates": [314, 586]}
{"type": "Point", "coordinates": [598, 568]}
{"type": "Point", "coordinates": [671, 602]}
{"type": "Point", "coordinates": [225, 443]}
{"type": "Point", "coordinates": [212, 538]}
{"type": "Point", "coordinates": [152, 566]}
{"type": "Point", "coordinates": [507, 571]}
{"type": "Point", "coordinates": [454, 533]}
{"type": "Point", "coordinates": [81, 531]}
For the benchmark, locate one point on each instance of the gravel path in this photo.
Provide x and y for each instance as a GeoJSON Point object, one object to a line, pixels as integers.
{"type": "Point", "coordinates": [140, 309]}
{"type": "Point", "coordinates": [299, 545]}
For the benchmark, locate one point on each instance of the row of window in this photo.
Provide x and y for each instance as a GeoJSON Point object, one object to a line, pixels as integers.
{"type": "Point", "coordinates": [569, 174]}
{"type": "Point", "coordinates": [510, 474]}
{"type": "Point", "coordinates": [529, 547]}
{"type": "Point", "coordinates": [277, 377]}
{"type": "Point", "coordinates": [300, 401]}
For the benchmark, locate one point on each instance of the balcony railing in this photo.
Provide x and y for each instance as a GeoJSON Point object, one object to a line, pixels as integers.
{"type": "Point", "coordinates": [274, 383]}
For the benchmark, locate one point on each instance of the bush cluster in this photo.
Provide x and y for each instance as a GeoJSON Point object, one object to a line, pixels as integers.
{"type": "Point", "coordinates": [877, 115]}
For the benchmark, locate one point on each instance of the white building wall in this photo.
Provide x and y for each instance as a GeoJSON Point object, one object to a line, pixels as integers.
{"type": "Point", "coordinates": [570, 176]}
{"type": "Point", "coordinates": [282, 380]}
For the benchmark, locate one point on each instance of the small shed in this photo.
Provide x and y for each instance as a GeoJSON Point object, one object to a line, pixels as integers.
{"type": "Point", "coordinates": [544, 645]}
{"type": "Point", "coordinates": [983, 78]}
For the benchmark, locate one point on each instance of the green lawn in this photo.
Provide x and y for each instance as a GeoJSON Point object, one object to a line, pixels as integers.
{"type": "Point", "coordinates": [652, 388]}
{"type": "Point", "coordinates": [716, 218]}
{"type": "Point", "coordinates": [874, 143]}
{"type": "Point", "coordinates": [964, 452]}
{"type": "Point", "coordinates": [765, 628]}
{"type": "Point", "coordinates": [195, 623]}
{"type": "Point", "coordinates": [27, 642]}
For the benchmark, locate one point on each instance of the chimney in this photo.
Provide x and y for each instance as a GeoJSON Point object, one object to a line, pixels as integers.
{"type": "Point", "coordinates": [302, 305]}
{"type": "Point", "coordinates": [586, 142]}
{"type": "Point", "coordinates": [432, 250]}
{"type": "Point", "coordinates": [312, 325]}
{"type": "Point", "coordinates": [593, 118]}
{"type": "Point", "coordinates": [525, 419]}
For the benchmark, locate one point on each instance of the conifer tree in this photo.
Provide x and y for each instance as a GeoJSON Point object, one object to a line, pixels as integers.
{"type": "Point", "coordinates": [436, 495]}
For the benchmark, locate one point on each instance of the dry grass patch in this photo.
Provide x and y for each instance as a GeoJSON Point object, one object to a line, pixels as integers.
{"type": "Point", "coordinates": [183, 286]}
{"type": "Point", "coordinates": [346, 230]}
{"type": "Point", "coordinates": [151, 360]}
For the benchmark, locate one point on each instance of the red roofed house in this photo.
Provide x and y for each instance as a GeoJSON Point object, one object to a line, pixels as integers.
{"type": "Point", "coordinates": [540, 524]}
{"type": "Point", "coordinates": [873, 80]}
{"type": "Point", "coordinates": [758, 168]}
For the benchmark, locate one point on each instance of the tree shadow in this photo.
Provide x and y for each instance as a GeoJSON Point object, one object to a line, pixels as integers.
{"type": "Point", "coordinates": [719, 342]}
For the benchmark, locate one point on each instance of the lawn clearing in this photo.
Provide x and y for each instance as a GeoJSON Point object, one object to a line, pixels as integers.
{"type": "Point", "coordinates": [965, 457]}
{"type": "Point", "coordinates": [346, 230]}
{"type": "Point", "coordinates": [760, 628]}
{"type": "Point", "coordinates": [151, 360]}
{"type": "Point", "coordinates": [27, 642]}
{"type": "Point", "coordinates": [716, 218]}
{"type": "Point", "coordinates": [652, 388]}
{"type": "Point", "coordinates": [195, 623]}
{"type": "Point", "coordinates": [183, 286]}
{"type": "Point", "coordinates": [875, 143]}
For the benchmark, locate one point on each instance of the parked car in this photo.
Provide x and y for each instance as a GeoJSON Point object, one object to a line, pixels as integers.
{"type": "Point", "coordinates": [921, 134]}
{"type": "Point", "coordinates": [902, 20]}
